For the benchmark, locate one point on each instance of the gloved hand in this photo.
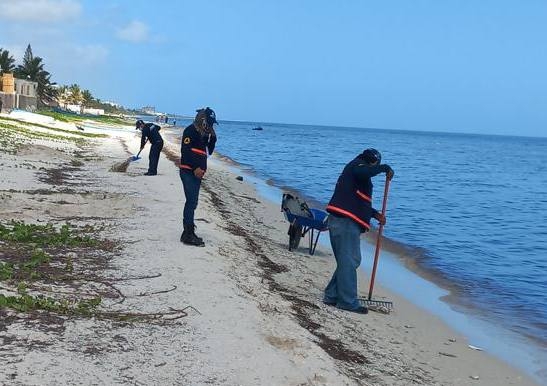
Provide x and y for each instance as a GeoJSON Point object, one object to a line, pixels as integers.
{"type": "Point", "coordinates": [389, 172]}
{"type": "Point", "coordinates": [380, 217]}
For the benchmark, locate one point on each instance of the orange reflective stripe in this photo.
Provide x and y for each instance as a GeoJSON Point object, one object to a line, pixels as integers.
{"type": "Point", "coordinates": [364, 196]}
{"type": "Point", "coordinates": [199, 151]}
{"type": "Point", "coordinates": [185, 167]}
{"type": "Point", "coordinates": [348, 214]}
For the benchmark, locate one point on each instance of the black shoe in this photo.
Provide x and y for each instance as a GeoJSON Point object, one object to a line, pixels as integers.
{"type": "Point", "coordinates": [329, 303]}
{"type": "Point", "coordinates": [358, 310]}
{"type": "Point", "coordinates": [150, 174]}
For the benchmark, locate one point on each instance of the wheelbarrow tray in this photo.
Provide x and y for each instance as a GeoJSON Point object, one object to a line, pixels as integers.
{"type": "Point", "coordinates": [300, 225]}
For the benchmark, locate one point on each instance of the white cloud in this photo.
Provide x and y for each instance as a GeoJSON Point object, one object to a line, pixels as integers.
{"type": "Point", "coordinates": [135, 32]}
{"type": "Point", "coordinates": [91, 54]}
{"type": "Point", "coordinates": [39, 10]}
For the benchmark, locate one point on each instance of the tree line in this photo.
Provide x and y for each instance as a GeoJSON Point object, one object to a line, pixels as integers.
{"type": "Point", "coordinates": [47, 91]}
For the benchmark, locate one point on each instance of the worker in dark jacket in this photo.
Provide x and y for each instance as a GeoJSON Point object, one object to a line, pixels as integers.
{"type": "Point", "coordinates": [151, 132]}
{"type": "Point", "coordinates": [198, 141]}
{"type": "Point", "coordinates": [350, 210]}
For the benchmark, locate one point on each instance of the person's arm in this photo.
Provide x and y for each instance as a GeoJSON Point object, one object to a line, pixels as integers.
{"type": "Point", "coordinates": [144, 136]}
{"type": "Point", "coordinates": [211, 143]}
{"type": "Point", "coordinates": [191, 156]}
{"type": "Point", "coordinates": [364, 171]}
{"type": "Point", "coordinates": [188, 141]}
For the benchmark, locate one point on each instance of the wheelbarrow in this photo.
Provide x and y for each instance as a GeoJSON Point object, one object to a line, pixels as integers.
{"type": "Point", "coordinates": [303, 220]}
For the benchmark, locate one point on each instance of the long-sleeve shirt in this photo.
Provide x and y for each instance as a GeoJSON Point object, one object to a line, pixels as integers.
{"type": "Point", "coordinates": [151, 133]}
{"type": "Point", "coordinates": [195, 148]}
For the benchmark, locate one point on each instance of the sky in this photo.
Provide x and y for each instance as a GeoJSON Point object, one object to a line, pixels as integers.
{"type": "Point", "coordinates": [453, 65]}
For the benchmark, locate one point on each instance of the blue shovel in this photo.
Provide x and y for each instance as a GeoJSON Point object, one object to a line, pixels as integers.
{"type": "Point", "coordinates": [136, 157]}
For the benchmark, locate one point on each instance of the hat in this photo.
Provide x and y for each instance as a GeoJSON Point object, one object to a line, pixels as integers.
{"type": "Point", "coordinates": [209, 115]}
{"type": "Point", "coordinates": [372, 156]}
{"type": "Point", "coordinates": [138, 123]}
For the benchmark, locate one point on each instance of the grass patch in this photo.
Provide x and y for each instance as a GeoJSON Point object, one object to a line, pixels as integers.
{"type": "Point", "coordinates": [26, 126]}
{"type": "Point", "coordinates": [67, 117]}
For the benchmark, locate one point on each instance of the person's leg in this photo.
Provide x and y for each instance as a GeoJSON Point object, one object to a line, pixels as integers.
{"type": "Point", "coordinates": [154, 158]}
{"type": "Point", "coordinates": [347, 249]}
{"type": "Point", "coordinates": [331, 291]}
{"type": "Point", "coordinates": [191, 185]}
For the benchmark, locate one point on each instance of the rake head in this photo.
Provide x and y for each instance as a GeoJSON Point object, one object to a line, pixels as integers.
{"type": "Point", "coordinates": [382, 306]}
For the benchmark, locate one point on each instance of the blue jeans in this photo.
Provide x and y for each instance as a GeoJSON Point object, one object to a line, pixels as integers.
{"type": "Point", "coordinates": [191, 185]}
{"type": "Point", "coordinates": [346, 244]}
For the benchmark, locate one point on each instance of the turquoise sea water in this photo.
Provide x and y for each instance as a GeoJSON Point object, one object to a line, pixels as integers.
{"type": "Point", "coordinates": [469, 210]}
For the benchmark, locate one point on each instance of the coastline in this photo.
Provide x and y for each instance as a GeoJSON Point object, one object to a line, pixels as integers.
{"type": "Point", "coordinates": [400, 276]}
{"type": "Point", "coordinates": [255, 316]}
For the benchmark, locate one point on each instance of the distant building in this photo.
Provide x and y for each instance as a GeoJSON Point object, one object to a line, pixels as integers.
{"type": "Point", "coordinates": [93, 111]}
{"type": "Point", "coordinates": [17, 93]}
{"type": "Point", "coordinates": [113, 104]}
{"type": "Point", "coordinates": [148, 110]}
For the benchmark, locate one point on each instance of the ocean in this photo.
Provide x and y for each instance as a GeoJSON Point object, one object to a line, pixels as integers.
{"type": "Point", "coordinates": [468, 212]}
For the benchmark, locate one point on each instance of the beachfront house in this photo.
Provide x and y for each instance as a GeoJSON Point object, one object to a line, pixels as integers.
{"type": "Point", "coordinates": [17, 93]}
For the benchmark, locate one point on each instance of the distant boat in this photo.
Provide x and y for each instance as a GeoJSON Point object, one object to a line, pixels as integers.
{"type": "Point", "coordinates": [258, 128]}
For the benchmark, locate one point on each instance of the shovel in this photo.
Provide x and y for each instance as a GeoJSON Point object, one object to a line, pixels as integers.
{"type": "Point", "coordinates": [378, 304]}
{"type": "Point", "coordinates": [136, 157]}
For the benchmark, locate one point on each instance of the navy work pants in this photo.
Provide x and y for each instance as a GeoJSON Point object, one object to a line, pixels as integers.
{"type": "Point", "coordinates": [191, 185]}
{"type": "Point", "coordinates": [154, 157]}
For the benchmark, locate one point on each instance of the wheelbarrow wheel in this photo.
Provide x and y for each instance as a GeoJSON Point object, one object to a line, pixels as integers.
{"type": "Point", "coordinates": [295, 234]}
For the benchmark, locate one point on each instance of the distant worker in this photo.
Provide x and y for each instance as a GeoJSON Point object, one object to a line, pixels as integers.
{"type": "Point", "coordinates": [350, 210]}
{"type": "Point", "coordinates": [198, 140]}
{"type": "Point", "coordinates": [151, 132]}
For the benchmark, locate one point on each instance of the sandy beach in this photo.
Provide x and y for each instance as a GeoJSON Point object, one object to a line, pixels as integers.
{"type": "Point", "coordinates": [243, 310]}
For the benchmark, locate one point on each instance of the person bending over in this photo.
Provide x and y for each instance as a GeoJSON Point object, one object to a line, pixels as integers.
{"type": "Point", "coordinates": [350, 210]}
{"type": "Point", "coordinates": [151, 132]}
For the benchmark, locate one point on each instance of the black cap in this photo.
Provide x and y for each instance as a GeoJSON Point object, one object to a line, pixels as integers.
{"type": "Point", "coordinates": [209, 114]}
{"type": "Point", "coordinates": [138, 123]}
{"type": "Point", "coordinates": [372, 156]}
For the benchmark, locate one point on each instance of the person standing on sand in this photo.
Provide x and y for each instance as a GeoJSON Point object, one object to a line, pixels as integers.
{"type": "Point", "coordinates": [350, 210]}
{"type": "Point", "coordinates": [151, 132]}
{"type": "Point", "coordinates": [198, 140]}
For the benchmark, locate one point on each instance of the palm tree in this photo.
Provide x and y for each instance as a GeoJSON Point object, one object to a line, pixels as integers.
{"type": "Point", "coordinates": [87, 98]}
{"type": "Point", "coordinates": [63, 96]}
{"type": "Point", "coordinates": [75, 94]}
{"type": "Point", "coordinates": [7, 63]}
{"type": "Point", "coordinates": [33, 69]}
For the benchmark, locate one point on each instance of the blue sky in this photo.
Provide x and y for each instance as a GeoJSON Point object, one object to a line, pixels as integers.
{"type": "Point", "coordinates": [456, 66]}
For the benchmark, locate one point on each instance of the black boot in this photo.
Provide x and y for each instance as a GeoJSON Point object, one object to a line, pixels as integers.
{"type": "Point", "coordinates": [193, 229]}
{"type": "Point", "coordinates": [189, 237]}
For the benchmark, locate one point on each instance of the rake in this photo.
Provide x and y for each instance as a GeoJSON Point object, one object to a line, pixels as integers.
{"type": "Point", "coordinates": [378, 305]}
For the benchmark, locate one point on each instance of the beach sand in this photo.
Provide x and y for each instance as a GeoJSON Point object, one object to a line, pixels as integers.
{"type": "Point", "coordinates": [243, 310]}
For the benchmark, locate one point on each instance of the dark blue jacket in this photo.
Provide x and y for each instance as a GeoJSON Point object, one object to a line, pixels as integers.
{"type": "Point", "coordinates": [352, 196]}
{"type": "Point", "coordinates": [151, 132]}
{"type": "Point", "coordinates": [194, 149]}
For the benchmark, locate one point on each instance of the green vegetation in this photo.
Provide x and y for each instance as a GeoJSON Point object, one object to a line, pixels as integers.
{"type": "Point", "coordinates": [26, 303]}
{"type": "Point", "coordinates": [72, 132]}
{"type": "Point", "coordinates": [14, 133]}
{"type": "Point", "coordinates": [32, 252]}
{"type": "Point", "coordinates": [71, 117]}
{"type": "Point", "coordinates": [33, 69]}
{"type": "Point", "coordinates": [43, 235]}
